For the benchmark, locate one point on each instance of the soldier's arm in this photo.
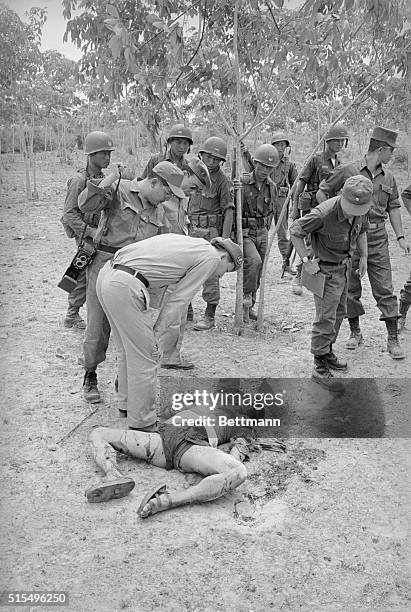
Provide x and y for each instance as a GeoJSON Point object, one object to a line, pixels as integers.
{"type": "Point", "coordinates": [71, 213]}
{"type": "Point", "coordinates": [362, 245]}
{"type": "Point", "coordinates": [406, 198]}
{"type": "Point", "coordinates": [227, 206]}
{"type": "Point", "coordinates": [247, 159]}
{"type": "Point", "coordinates": [330, 186]}
{"type": "Point", "coordinates": [301, 228]}
{"type": "Point", "coordinates": [292, 174]}
{"type": "Point", "coordinates": [95, 198]}
{"type": "Point", "coordinates": [148, 170]}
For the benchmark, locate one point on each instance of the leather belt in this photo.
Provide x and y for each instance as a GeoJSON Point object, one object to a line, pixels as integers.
{"type": "Point", "coordinates": [107, 249]}
{"type": "Point", "coordinates": [133, 272]}
{"type": "Point", "coordinates": [376, 225]}
{"type": "Point", "coordinates": [335, 263]}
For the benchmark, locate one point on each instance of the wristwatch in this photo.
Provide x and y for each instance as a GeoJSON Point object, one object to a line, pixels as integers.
{"type": "Point", "coordinates": [305, 259]}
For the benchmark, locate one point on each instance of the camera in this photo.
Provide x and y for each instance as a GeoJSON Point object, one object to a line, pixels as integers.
{"type": "Point", "coordinates": [81, 260]}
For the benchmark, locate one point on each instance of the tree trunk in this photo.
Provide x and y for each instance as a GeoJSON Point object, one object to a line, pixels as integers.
{"type": "Point", "coordinates": [35, 195]}
{"type": "Point", "coordinates": [238, 320]}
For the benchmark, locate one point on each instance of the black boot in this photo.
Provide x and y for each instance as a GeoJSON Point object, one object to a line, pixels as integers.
{"type": "Point", "coordinates": [333, 362]}
{"type": "Point", "coordinates": [404, 306]}
{"type": "Point", "coordinates": [208, 321]}
{"type": "Point", "coordinates": [355, 338]}
{"type": "Point", "coordinates": [393, 346]}
{"type": "Point", "coordinates": [190, 312]}
{"type": "Point", "coordinates": [322, 375]}
{"type": "Point", "coordinates": [73, 319]}
{"type": "Point", "coordinates": [90, 391]}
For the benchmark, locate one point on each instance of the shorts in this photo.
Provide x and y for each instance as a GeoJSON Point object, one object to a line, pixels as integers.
{"type": "Point", "coordinates": [177, 440]}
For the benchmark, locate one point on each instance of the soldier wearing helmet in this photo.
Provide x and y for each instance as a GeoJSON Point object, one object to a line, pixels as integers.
{"type": "Point", "coordinates": [318, 168]}
{"type": "Point", "coordinates": [211, 215]}
{"type": "Point", "coordinates": [386, 204]}
{"type": "Point", "coordinates": [258, 195]}
{"type": "Point", "coordinates": [179, 141]}
{"type": "Point", "coordinates": [98, 147]}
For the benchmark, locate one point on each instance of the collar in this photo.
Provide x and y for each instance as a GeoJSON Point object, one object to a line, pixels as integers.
{"type": "Point", "coordinates": [134, 187]}
{"type": "Point", "coordinates": [340, 215]}
{"type": "Point", "coordinates": [329, 155]}
{"type": "Point", "coordinates": [379, 169]}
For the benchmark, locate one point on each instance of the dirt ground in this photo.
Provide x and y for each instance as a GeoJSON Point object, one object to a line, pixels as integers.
{"type": "Point", "coordinates": [321, 527]}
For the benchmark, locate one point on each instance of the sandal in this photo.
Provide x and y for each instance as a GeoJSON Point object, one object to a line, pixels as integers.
{"type": "Point", "coordinates": [109, 489]}
{"type": "Point", "coordinates": [151, 504]}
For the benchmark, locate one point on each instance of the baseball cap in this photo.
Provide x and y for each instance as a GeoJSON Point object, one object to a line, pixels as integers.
{"type": "Point", "coordinates": [232, 249]}
{"type": "Point", "coordinates": [356, 196]}
{"type": "Point", "coordinates": [172, 175]}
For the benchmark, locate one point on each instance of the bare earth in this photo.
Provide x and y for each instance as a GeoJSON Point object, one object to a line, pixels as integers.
{"type": "Point", "coordinates": [322, 527]}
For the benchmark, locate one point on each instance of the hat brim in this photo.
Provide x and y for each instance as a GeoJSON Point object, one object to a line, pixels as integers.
{"type": "Point", "coordinates": [206, 183]}
{"type": "Point", "coordinates": [176, 190]}
{"type": "Point", "coordinates": [355, 210]}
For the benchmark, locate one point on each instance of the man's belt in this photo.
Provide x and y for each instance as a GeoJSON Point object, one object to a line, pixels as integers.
{"type": "Point", "coordinates": [254, 222]}
{"type": "Point", "coordinates": [376, 225]}
{"type": "Point", "coordinates": [107, 249]}
{"type": "Point", "coordinates": [204, 221]}
{"type": "Point", "coordinates": [133, 272]}
{"type": "Point", "coordinates": [335, 263]}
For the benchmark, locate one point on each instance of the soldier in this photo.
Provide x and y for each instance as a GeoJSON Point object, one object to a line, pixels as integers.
{"type": "Point", "coordinates": [211, 215]}
{"type": "Point", "coordinates": [336, 226]}
{"type": "Point", "coordinates": [259, 195]}
{"type": "Point", "coordinates": [98, 147]}
{"type": "Point", "coordinates": [167, 260]}
{"type": "Point", "coordinates": [405, 294]}
{"type": "Point", "coordinates": [319, 167]}
{"type": "Point", "coordinates": [385, 204]}
{"type": "Point", "coordinates": [130, 212]}
{"type": "Point", "coordinates": [178, 145]}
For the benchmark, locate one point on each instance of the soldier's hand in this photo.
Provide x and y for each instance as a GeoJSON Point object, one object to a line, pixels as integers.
{"type": "Point", "coordinates": [294, 212]}
{"type": "Point", "coordinates": [362, 267]}
{"type": "Point", "coordinates": [236, 184]}
{"type": "Point", "coordinates": [243, 147]}
{"type": "Point", "coordinates": [311, 266]}
{"type": "Point", "coordinates": [404, 246]}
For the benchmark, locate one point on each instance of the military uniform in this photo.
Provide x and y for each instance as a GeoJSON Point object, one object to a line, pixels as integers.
{"type": "Point", "coordinates": [78, 225]}
{"type": "Point", "coordinates": [170, 260]}
{"type": "Point", "coordinates": [206, 215]}
{"type": "Point", "coordinates": [405, 293]}
{"type": "Point", "coordinates": [257, 210]}
{"type": "Point", "coordinates": [284, 176]}
{"type": "Point", "coordinates": [317, 169]}
{"type": "Point", "coordinates": [130, 219]}
{"type": "Point", "coordinates": [385, 198]}
{"type": "Point", "coordinates": [333, 240]}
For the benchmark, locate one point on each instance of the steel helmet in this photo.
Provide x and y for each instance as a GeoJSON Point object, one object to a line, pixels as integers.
{"type": "Point", "coordinates": [98, 141]}
{"type": "Point", "coordinates": [267, 155]}
{"type": "Point", "coordinates": [278, 137]}
{"type": "Point", "coordinates": [337, 132]}
{"type": "Point", "coordinates": [180, 131]}
{"type": "Point", "coordinates": [215, 146]}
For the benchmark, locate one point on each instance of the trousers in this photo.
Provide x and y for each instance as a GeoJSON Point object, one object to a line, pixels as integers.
{"type": "Point", "coordinates": [379, 275]}
{"type": "Point", "coordinates": [405, 293]}
{"type": "Point", "coordinates": [331, 309]}
{"type": "Point", "coordinates": [254, 249]}
{"type": "Point", "coordinates": [97, 334]}
{"type": "Point", "coordinates": [124, 301]}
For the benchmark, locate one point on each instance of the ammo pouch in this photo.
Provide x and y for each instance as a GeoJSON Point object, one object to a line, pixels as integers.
{"type": "Point", "coordinates": [306, 200]}
{"type": "Point", "coordinates": [84, 256]}
{"type": "Point", "coordinates": [282, 192]}
{"type": "Point", "coordinates": [206, 221]}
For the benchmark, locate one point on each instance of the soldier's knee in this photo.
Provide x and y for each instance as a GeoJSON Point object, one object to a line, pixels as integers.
{"type": "Point", "coordinates": [240, 474]}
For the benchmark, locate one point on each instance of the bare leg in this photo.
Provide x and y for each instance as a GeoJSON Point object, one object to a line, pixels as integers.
{"type": "Point", "coordinates": [104, 443]}
{"type": "Point", "coordinates": [223, 474]}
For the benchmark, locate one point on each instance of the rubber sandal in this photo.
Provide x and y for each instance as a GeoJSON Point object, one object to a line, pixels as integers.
{"type": "Point", "coordinates": [155, 495]}
{"type": "Point", "coordinates": [109, 489]}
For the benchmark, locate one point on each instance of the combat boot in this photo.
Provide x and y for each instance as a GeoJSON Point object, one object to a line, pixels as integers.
{"type": "Point", "coordinates": [296, 286]}
{"type": "Point", "coordinates": [404, 306]}
{"type": "Point", "coordinates": [333, 362]}
{"type": "Point", "coordinates": [322, 375]}
{"type": "Point", "coordinates": [73, 319]}
{"type": "Point", "coordinates": [90, 391]}
{"type": "Point", "coordinates": [190, 312]}
{"type": "Point", "coordinates": [247, 300]}
{"type": "Point", "coordinates": [208, 320]}
{"type": "Point", "coordinates": [393, 346]}
{"type": "Point", "coordinates": [355, 338]}
{"type": "Point", "coordinates": [252, 315]}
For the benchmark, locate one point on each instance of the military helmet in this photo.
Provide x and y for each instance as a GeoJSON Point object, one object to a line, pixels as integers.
{"type": "Point", "coordinates": [97, 141]}
{"type": "Point", "coordinates": [337, 132]}
{"type": "Point", "coordinates": [267, 155]}
{"type": "Point", "coordinates": [215, 146]}
{"type": "Point", "coordinates": [278, 137]}
{"type": "Point", "coordinates": [180, 131]}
